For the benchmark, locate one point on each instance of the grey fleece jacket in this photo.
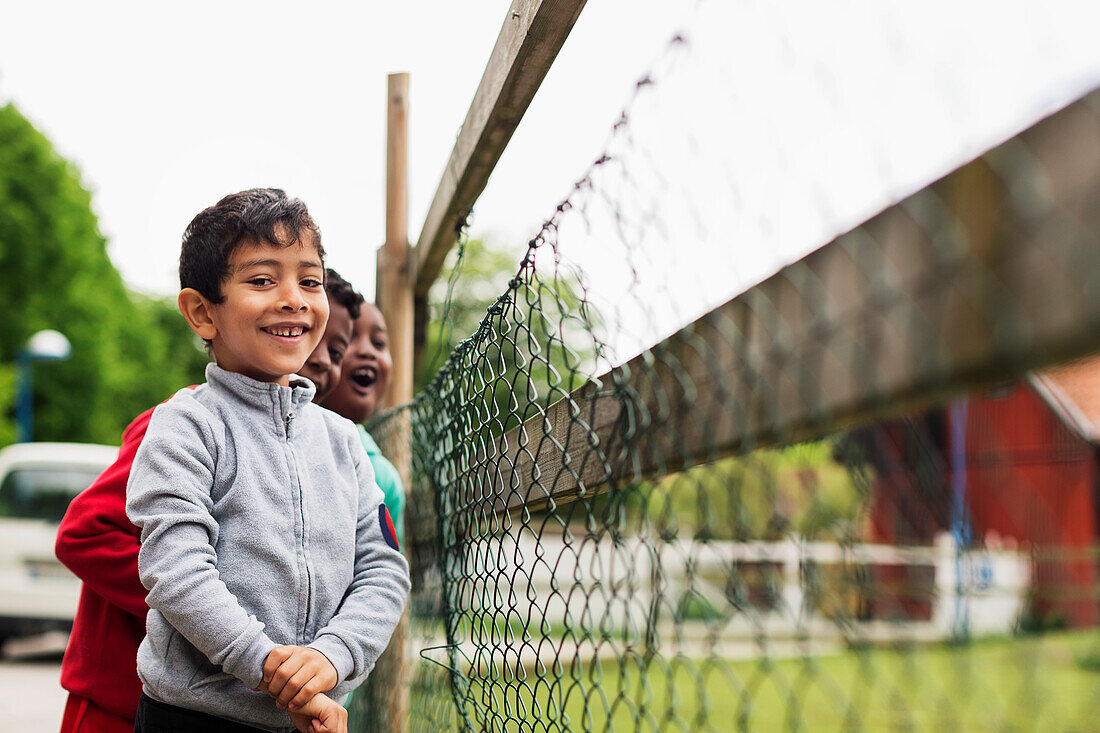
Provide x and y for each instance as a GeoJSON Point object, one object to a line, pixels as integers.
{"type": "Point", "coordinates": [260, 526]}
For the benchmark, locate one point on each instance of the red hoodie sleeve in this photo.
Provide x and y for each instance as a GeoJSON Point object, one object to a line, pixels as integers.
{"type": "Point", "coordinates": [96, 540]}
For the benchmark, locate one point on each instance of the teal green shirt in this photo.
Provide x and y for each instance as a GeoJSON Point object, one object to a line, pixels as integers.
{"type": "Point", "coordinates": [389, 481]}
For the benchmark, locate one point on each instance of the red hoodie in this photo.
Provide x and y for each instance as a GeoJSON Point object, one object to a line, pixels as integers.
{"type": "Point", "coordinates": [100, 545]}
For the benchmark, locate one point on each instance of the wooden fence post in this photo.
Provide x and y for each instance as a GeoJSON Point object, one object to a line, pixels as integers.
{"type": "Point", "coordinates": [388, 687]}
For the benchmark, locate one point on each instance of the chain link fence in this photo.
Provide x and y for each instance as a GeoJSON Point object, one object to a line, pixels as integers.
{"type": "Point", "coordinates": [861, 494]}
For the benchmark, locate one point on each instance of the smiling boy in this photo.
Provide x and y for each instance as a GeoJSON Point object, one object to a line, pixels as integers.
{"type": "Point", "coordinates": [273, 571]}
{"type": "Point", "coordinates": [365, 374]}
{"type": "Point", "coordinates": [323, 367]}
{"type": "Point", "coordinates": [100, 546]}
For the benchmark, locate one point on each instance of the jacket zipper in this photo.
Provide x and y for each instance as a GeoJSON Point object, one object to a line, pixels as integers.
{"type": "Point", "coordinates": [302, 515]}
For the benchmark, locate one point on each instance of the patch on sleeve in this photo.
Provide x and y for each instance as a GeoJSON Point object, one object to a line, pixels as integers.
{"type": "Point", "coordinates": [388, 532]}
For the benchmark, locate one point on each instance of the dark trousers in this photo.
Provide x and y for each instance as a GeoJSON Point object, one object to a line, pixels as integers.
{"type": "Point", "coordinates": [154, 716]}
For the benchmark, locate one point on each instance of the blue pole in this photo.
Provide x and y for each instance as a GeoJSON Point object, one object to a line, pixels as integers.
{"type": "Point", "coordinates": [960, 521]}
{"type": "Point", "coordinates": [24, 406]}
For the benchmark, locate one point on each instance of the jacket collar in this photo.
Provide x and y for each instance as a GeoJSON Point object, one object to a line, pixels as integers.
{"type": "Point", "coordinates": [268, 397]}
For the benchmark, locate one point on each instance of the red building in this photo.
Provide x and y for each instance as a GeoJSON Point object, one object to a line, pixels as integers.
{"type": "Point", "coordinates": [1014, 466]}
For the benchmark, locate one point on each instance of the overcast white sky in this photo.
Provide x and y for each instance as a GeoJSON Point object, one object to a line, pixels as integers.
{"type": "Point", "coordinates": [166, 107]}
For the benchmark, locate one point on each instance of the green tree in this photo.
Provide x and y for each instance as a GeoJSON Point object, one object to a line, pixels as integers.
{"type": "Point", "coordinates": [527, 337]}
{"type": "Point", "coordinates": [473, 277]}
{"type": "Point", "coordinates": [128, 354]}
{"type": "Point", "coordinates": [7, 404]}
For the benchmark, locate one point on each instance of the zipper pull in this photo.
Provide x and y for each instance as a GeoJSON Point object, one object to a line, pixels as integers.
{"type": "Point", "coordinates": [289, 417]}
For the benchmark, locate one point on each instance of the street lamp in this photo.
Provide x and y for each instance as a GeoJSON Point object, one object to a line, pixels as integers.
{"type": "Point", "coordinates": [48, 345]}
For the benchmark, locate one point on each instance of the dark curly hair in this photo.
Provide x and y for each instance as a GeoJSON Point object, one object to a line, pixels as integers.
{"type": "Point", "coordinates": [343, 293]}
{"type": "Point", "coordinates": [260, 214]}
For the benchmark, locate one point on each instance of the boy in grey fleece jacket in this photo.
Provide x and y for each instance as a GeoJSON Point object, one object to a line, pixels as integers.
{"type": "Point", "coordinates": [273, 572]}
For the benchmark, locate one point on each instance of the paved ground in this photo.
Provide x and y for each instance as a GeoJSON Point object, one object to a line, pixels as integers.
{"type": "Point", "coordinates": [30, 686]}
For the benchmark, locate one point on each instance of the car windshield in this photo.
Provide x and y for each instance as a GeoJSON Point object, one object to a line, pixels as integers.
{"type": "Point", "coordinates": [42, 493]}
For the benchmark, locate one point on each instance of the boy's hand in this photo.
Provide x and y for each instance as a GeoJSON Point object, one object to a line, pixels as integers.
{"type": "Point", "coordinates": [320, 715]}
{"type": "Point", "coordinates": [295, 674]}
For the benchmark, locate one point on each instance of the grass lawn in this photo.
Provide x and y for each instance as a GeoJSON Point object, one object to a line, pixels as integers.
{"type": "Point", "coordinates": [1038, 683]}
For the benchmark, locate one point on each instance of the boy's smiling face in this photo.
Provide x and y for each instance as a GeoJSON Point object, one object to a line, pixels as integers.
{"type": "Point", "coordinates": [365, 373]}
{"type": "Point", "coordinates": [323, 365]}
{"type": "Point", "coordinates": [272, 314]}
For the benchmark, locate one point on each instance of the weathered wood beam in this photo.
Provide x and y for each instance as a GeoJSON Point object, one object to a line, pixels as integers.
{"type": "Point", "coordinates": [529, 41]}
{"type": "Point", "coordinates": [983, 275]}
{"type": "Point", "coordinates": [387, 690]}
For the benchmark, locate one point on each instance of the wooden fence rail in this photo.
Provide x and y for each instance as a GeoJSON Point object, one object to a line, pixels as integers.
{"type": "Point", "coordinates": [989, 272]}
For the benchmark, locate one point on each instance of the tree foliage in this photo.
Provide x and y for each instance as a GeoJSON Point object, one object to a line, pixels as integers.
{"type": "Point", "coordinates": [7, 404]}
{"type": "Point", "coordinates": [473, 276]}
{"type": "Point", "coordinates": [128, 351]}
{"type": "Point", "coordinates": [527, 334]}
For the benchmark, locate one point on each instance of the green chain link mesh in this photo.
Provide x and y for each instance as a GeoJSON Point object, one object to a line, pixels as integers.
{"type": "Point", "coordinates": [859, 496]}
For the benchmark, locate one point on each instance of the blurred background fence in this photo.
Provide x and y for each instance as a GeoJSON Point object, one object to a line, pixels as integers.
{"type": "Point", "coordinates": [860, 494]}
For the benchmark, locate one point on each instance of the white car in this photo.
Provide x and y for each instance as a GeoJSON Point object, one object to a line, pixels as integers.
{"type": "Point", "coordinates": [37, 482]}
